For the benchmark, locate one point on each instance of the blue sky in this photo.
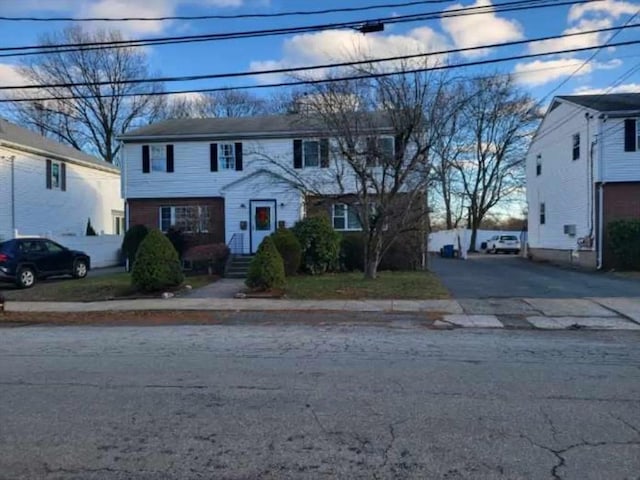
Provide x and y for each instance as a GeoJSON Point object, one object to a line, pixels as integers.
{"type": "Point", "coordinates": [539, 76]}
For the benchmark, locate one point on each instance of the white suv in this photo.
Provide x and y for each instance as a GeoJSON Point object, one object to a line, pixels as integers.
{"type": "Point", "coordinates": [503, 243]}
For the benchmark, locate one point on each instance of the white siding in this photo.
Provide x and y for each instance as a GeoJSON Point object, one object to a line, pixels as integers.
{"type": "Point", "coordinates": [564, 185]}
{"type": "Point", "coordinates": [90, 193]}
{"type": "Point", "coordinates": [619, 166]}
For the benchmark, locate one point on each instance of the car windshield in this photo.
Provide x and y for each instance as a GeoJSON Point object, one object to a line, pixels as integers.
{"type": "Point", "coordinates": [508, 237]}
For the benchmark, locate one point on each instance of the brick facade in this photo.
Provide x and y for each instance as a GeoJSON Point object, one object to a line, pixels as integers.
{"type": "Point", "coordinates": [621, 201]}
{"type": "Point", "coordinates": [147, 212]}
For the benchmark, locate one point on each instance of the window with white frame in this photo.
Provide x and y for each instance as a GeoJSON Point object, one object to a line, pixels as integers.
{"type": "Point", "coordinates": [380, 151]}
{"type": "Point", "coordinates": [539, 165]}
{"type": "Point", "coordinates": [158, 158]}
{"type": "Point", "coordinates": [55, 175]}
{"type": "Point", "coordinates": [188, 218]}
{"type": "Point", "coordinates": [543, 214]}
{"type": "Point", "coordinates": [227, 156]}
{"type": "Point", "coordinates": [345, 218]}
{"type": "Point", "coordinates": [118, 222]}
{"type": "Point", "coordinates": [311, 153]}
{"type": "Point", "coordinates": [576, 146]}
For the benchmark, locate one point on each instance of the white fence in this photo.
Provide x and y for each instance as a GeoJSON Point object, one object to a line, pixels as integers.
{"type": "Point", "coordinates": [104, 250]}
{"type": "Point", "coordinates": [437, 240]}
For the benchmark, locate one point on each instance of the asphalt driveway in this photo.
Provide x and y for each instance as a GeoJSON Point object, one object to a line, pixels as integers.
{"type": "Point", "coordinates": [504, 276]}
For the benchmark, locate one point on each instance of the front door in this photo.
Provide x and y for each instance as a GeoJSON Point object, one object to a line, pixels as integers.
{"type": "Point", "coordinates": [263, 221]}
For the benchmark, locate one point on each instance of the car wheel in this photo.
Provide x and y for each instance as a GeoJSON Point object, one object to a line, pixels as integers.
{"type": "Point", "coordinates": [493, 250]}
{"type": "Point", "coordinates": [80, 269]}
{"type": "Point", "coordinates": [26, 277]}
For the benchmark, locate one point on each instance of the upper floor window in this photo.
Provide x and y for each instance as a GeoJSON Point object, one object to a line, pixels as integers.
{"type": "Point", "coordinates": [56, 175]}
{"type": "Point", "coordinates": [543, 214]}
{"type": "Point", "coordinates": [345, 217]}
{"type": "Point", "coordinates": [380, 151]}
{"type": "Point", "coordinates": [227, 156]}
{"type": "Point", "coordinates": [188, 219]}
{"type": "Point", "coordinates": [157, 158]}
{"type": "Point", "coordinates": [631, 135]}
{"type": "Point", "coordinates": [311, 153]}
{"type": "Point", "coordinates": [538, 165]}
{"type": "Point", "coordinates": [576, 146]}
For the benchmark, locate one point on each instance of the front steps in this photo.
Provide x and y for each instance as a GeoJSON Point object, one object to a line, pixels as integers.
{"type": "Point", "coordinates": [238, 266]}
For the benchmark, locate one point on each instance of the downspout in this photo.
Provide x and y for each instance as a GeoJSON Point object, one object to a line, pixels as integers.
{"type": "Point", "coordinates": [603, 119]}
{"type": "Point", "coordinates": [13, 194]}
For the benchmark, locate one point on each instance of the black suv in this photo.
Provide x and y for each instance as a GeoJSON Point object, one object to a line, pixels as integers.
{"type": "Point", "coordinates": [23, 260]}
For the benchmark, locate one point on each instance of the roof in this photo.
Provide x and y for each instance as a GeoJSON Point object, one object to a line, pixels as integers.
{"type": "Point", "coordinates": [268, 126]}
{"type": "Point", "coordinates": [22, 137]}
{"type": "Point", "coordinates": [611, 102]}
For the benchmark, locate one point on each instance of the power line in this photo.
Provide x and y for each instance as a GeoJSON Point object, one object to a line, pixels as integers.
{"type": "Point", "coordinates": [316, 67]}
{"type": "Point", "coordinates": [498, 8]}
{"type": "Point", "coordinates": [329, 80]}
{"type": "Point", "coordinates": [224, 17]}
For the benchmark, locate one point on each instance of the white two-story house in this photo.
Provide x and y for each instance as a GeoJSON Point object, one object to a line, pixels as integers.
{"type": "Point", "coordinates": [48, 188]}
{"type": "Point", "coordinates": [232, 180]}
{"type": "Point", "coordinates": [583, 171]}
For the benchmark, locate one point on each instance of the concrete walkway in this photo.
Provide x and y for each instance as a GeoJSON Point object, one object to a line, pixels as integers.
{"type": "Point", "coordinates": [223, 288]}
{"type": "Point", "coordinates": [582, 313]}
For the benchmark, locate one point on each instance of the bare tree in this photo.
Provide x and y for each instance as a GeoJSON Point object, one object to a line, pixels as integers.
{"type": "Point", "coordinates": [225, 103]}
{"type": "Point", "coordinates": [381, 131]}
{"type": "Point", "coordinates": [95, 114]}
{"type": "Point", "coordinates": [497, 120]}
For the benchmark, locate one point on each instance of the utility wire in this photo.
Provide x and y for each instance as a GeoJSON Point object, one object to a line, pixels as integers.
{"type": "Point", "coordinates": [71, 47]}
{"type": "Point", "coordinates": [321, 66]}
{"type": "Point", "coordinates": [328, 80]}
{"type": "Point", "coordinates": [224, 17]}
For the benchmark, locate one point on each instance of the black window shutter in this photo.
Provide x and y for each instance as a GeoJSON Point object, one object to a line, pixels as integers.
{"type": "Point", "coordinates": [213, 157]}
{"type": "Point", "coordinates": [170, 158]}
{"type": "Point", "coordinates": [239, 156]}
{"type": "Point", "coordinates": [297, 154]}
{"type": "Point", "coordinates": [324, 153]}
{"type": "Point", "coordinates": [398, 152]}
{"type": "Point", "coordinates": [146, 164]}
{"type": "Point", "coordinates": [63, 176]}
{"type": "Point", "coordinates": [49, 174]}
{"type": "Point", "coordinates": [630, 135]}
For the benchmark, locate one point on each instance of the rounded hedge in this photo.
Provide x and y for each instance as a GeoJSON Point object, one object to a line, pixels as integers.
{"type": "Point", "coordinates": [131, 242]}
{"type": "Point", "coordinates": [320, 244]}
{"type": "Point", "coordinates": [157, 265]}
{"type": "Point", "coordinates": [290, 250]}
{"type": "Point", "coordinates": [266, 270]}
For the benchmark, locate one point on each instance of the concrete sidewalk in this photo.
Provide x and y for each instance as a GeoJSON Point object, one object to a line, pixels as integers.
{"type": "Point", "coordinates": [590, 314]}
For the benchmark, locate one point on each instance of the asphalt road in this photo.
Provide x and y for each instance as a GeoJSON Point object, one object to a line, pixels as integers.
{"type": "Point", "coordinates": [495, 276]}
{"type": "Point", "coordinates": [304, 402]}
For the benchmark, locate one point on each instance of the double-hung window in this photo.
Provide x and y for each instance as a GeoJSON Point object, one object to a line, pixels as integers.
{"type": "Point", "coordinates": [55, 175]}
{"type": "Point", "coordinates": [311, 153]}
{"type": "Point", "coordinates": [227, 156]}
{"type": "Point", "coordinates": [543, 214]}
{"type": "Point", "coordinates": [538, 165]}
{"type": "Point", "coordinates": [158, 158]}
{"type": "Point", "coordinates": [576, 146]}
{"type": "Point", "coordinates": [345, 218]}
{"type": "Point", "coordinates": [188, 219]}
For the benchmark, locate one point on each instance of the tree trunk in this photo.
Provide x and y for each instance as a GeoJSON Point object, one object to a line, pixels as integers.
{"type": "Point", "coordinates": [475, 224]}
{"type": "Point", "coordinates": [371, 258]}
{"type": "Point", "coordinates": [371, 269]}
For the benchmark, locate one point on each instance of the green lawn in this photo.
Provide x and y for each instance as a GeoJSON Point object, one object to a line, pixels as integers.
{"type": "Point", "coordinates": [388, 285]}
{"type": "Point", "coordinates": [103, 287]}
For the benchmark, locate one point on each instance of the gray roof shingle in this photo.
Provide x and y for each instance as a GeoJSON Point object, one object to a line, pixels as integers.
{"type": "Point", "coordinates": [12, 133]}
{"type": "Point", "coordinates": [612, 102]}
{"type": "Point", "coordinates": [267, 126]}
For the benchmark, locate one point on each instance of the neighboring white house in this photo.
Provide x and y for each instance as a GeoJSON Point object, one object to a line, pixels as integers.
{"type": "Point", "coordinates": [583, 171]}
{"type": "Point", "coordinates": [224, 178]}
{"type": "Point", "coordinates": [47, 188]}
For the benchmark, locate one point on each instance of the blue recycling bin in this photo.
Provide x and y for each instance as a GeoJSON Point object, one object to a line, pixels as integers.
{"type": "Point", "coordinates": [447, 251]}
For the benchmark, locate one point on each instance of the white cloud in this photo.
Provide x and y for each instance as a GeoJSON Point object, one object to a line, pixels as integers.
{"type": "Point", "coordinates": [609, 8]}
{"type": "Point", "coordinates": [626, 88]}
{"type": "Point", "coordinates": [578, 41]}
{"type": "Point", "coordinates": [339, 45]}
{"type": "Point", "coordinates": [10, 76]}
{"type": "Point", "coordinates": [540, 72]}
{"type": "Point", "coordinates": [480, 29]}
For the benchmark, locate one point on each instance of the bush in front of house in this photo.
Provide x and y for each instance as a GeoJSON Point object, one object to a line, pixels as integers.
{"type": "Point", "coordinates": [90, 231]}
{"type": "Point", "coordinates": [320, 245]}
{"type": "Point", "coordinates": [290, 250]}
{"type": "Point", "coordinates": [131, 242]}
{"type": "Point", "coordinates": [352, 252]}
{"type": "Point", "coordinates": [266, 270]}
{"type": "Point", "coordinates": [624, 238]}
{"type": "Point", "coordinates": [157, 265]}
{"type": "Point", "coordinates": [210, 258]}
{"type": "Point", "coordinates": [177, 239]}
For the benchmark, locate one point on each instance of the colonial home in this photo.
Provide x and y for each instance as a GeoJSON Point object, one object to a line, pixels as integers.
{"type": "Point", "coordinates": [47, 188]}
{"type": "Point", "coordinates": [233, 180]}
{"type": "Point", "coordinates": [583, 171]}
